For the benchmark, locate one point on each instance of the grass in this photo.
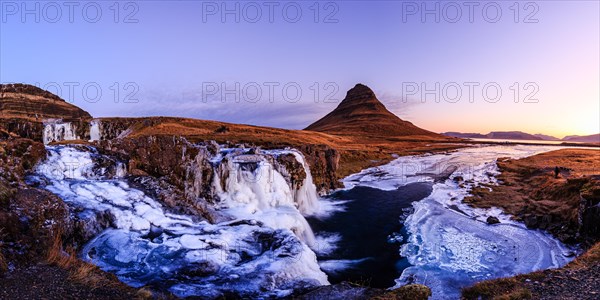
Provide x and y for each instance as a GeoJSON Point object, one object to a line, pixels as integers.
{"type": "Point", "coordinates": [79, 271]}
{"type": "Point", "coordinates": [590, 257]}
{"type": "Point", "coordinates": [3, 263]}
{"type": "Point", "coordinates": [498, 289]}
{"type": "Point", "coordinates": [407, 292]}
{"type": "Point", "coordinates": [512, 288]}
{"type": "Point", "coordinates": [83, 272]}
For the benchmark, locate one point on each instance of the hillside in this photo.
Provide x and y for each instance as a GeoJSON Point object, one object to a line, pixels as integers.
{"type": "Point", "coordinates": [594, 138]}
{"type": "Point", "coordinates": [509, 135]}
{"type": "Point", "coordinates": [565, 205]}
{"type": "Point", "coordinates": [331, 156]}
{"type": "Point", "coordinates": [32, 103]}
{"type": "Point", "coordinates": [362, 114]}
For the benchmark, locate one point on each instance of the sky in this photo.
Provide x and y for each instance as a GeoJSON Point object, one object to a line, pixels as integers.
{"type": "Point", "coordinates": [445, 66]}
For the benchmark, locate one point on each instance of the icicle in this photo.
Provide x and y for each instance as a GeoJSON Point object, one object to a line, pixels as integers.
{"type": "Point", "coordinates": [56, 131]}
{"type": "Point", "coordinates": [95, 130]}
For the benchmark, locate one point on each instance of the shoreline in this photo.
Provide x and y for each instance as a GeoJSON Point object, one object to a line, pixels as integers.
{"type": "Point", "coordinates": [561, 206]}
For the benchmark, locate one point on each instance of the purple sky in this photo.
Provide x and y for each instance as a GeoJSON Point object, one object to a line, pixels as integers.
{"type": "Point", "coordinates": [264, 63]}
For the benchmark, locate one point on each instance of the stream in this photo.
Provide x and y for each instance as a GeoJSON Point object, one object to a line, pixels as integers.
{"type": "Point", "coordinates": [403, 222]}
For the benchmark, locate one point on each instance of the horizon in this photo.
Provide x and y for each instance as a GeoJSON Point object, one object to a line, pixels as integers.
{"type": "Point", "coordinates": [195, 61]}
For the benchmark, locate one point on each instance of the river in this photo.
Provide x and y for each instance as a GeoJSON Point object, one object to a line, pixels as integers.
{"type": "Point", "coordinates": [403, 222]}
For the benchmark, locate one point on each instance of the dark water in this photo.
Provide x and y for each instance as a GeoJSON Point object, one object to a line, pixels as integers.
{"type": "Point", "coordinates": [370, 218]}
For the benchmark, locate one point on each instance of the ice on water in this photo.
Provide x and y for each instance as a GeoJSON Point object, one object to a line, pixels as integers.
{"type": "Point", "coordinates": [259, 254]}
{"type": "Point", "coordinates": [450, 245]}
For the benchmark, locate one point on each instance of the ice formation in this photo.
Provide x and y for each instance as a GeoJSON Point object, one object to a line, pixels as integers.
{"type": "Point", "coordinates": [56, 131]}
{"type": "Point", "coordinates": [450, 245]}
{"type": "Point", "coordinates": [95, 134]}
{"type": "Point", "coordinates": [256, 255]}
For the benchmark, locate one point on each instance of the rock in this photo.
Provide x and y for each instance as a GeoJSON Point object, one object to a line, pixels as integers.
{"type": "Point", "coordinates": [341, 291]}
{"type": "Point", "coordinates": [177, 172]}
{"type": "Point", "coordinates": [492, 220]}
{"type": "Point", "coordinates": [324, 164]}
{"type": "Point", "coordinates": [290, 168]}
{"type": "Point", "coordinates": [199, 269]}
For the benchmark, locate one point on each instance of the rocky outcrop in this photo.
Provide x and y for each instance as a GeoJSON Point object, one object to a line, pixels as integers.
{"type": "Point", "coordinates": [361, 113]}
{"type": "Point", "coordinates": [175, 171]}
{"type": "Point", "coordinates": [589, 210]}
{"type": "Point", "coordinates": [25, 109]}
{"type": "Point", "coordinates": [324, 164]}
{"type": "Point", "coordinates": [30, 102]}
{"type": "Point", "coordinates": [29, 217]}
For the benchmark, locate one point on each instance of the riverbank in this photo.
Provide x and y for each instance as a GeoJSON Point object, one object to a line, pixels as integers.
{"type": "Point", "coordinates": [532, 194]}
{"type": "Point", "coordinates": [565, 205]}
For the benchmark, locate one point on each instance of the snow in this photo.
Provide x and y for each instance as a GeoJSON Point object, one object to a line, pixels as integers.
{"type": "Point", "coordinates": [448, 249]}
{"type": "Point", "coordinates": [255, 259]}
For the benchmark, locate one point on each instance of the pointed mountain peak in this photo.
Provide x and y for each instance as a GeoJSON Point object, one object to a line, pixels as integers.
{"type": "Point", "coordinates": [360, 92]}
{"type": "Point", "coordinates": [361, 113]}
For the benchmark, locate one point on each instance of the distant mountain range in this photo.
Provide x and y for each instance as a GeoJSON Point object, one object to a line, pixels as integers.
{"type": "Point", "coordinates": [519, 135]}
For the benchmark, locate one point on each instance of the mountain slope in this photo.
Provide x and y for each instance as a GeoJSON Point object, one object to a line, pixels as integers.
{"type": "Point", "coordinates": [462, 135]}
{"type": "Point", "coordinates": [510, 135]}
{"type": "Point", "coordinates": [361, 113]}
{"type": "Point", "coordinates": [547, 137]}
{"type": "Point", "coordinates": [30, 102]}
{"type": "Point", "coordinates": [594, 138]}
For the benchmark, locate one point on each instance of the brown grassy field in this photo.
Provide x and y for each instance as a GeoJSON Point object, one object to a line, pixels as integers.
{"type": "Point", "coordinates": [531, 193]}
{"type": "Point", "coordinates": [357, 151]}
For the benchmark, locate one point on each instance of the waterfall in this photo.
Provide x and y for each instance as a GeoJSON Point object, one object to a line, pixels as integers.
{"type": "Point", "coordinates": [306, 196]}
{"type": "Point", "coordinates": [148, 245]}
{"type": "Point", "coordinates": [56, 131]}
{"type": "Point", "coordinates": [95, 130]}
{"type": "Point", "coordinates": [249, 187]}
{"type": "Point", "coordinates": [121, 170]}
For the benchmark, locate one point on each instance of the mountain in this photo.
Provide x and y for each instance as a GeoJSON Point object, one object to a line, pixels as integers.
{"type": "Point", "coordinates": [362, 114]}
{"type": "Point", "coordinates": [547, 137]}
{"type": "Point", "coordinates": [464, 135]}
{"type": "Point", "coordinates": [594, 138]}
{"type": "Point", "coordinates": [30, 102]}
{"type": "Point", "coordinates": [508, 135]}
{"type": "Point", "coordinates": [512, 135]}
